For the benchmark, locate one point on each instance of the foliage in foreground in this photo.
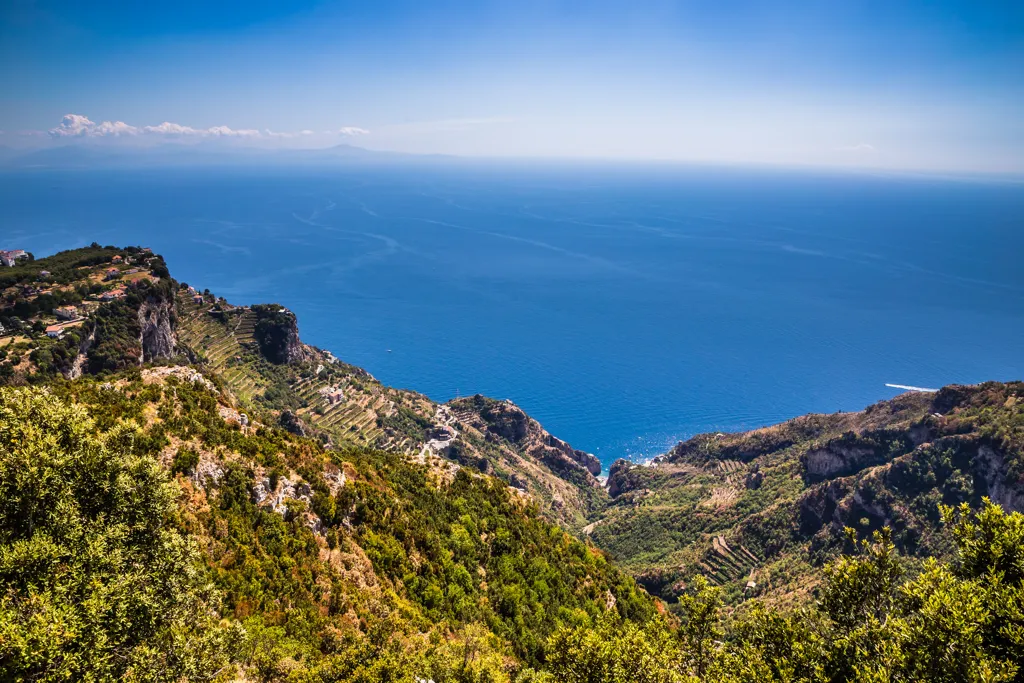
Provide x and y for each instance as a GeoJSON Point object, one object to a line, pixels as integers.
{"type": "Point", "coordinates": [961, 622]}
{"type": "Point", "coordinates": [96, 585]}
{"type": "Point", "coordinates": [454, 580]}
{"type": "Point", "coordinates": [99, 581]}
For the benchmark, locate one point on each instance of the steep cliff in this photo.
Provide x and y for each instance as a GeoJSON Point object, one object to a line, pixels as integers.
{"type": "Point", "coordinates": [157, 323]}
{"type": "Point", "coordinates": [277, 334]}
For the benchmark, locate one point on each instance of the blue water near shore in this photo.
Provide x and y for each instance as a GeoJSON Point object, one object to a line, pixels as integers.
{"type": "Point", "coordinates": [624, 308]}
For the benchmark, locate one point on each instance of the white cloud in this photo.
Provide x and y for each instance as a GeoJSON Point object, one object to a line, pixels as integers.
{"type": "Point", "coordinates": [77, 125]}
{"type": "Point", "coordinates": [225, 132]}
{"type": "Point", "coordinates": [168, 128]}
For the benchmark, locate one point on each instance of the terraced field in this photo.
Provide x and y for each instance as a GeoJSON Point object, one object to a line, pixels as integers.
{"type": "Point", "coordinates": [225, 343]}
{"type": "Point", "coordinates": [725, 563]}
{"type": "Point", "coordinates": [220, 344]}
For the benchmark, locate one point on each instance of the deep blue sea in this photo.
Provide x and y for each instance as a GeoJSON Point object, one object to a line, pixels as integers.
{"type": "Point", "coordinates": [624, 308]}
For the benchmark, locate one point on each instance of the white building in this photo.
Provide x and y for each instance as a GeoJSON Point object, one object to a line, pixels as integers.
{"type": "Point", "coordinates": [9, 256]}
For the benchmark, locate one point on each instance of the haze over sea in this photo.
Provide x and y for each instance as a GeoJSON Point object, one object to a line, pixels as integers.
{"type": "Point", "coordinates": [624, 308]}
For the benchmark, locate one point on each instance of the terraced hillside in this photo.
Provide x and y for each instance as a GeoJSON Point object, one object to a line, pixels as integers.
{"type": "Point", "coordinates": [341, 400]}
{"type": "Point", "coordinates": [319, 394]}
{"type": "Point", "coordinates": [770, 506]}
{"type": "Point", "coordinates": [221, 341]}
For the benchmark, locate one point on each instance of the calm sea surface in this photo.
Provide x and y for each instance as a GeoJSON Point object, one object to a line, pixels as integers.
{"type": "Point", "coordinates": [624, 309]}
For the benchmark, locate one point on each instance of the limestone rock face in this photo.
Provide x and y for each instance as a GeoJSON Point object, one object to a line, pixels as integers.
{"type": "Point", "coordinates": [266, 495]}
{"type": "Point", "coordinates": [825, 462]}
{"type": "Point", "coordinates": [1002, 489]}
{"type": "Point", "coordinates": [156, 319]}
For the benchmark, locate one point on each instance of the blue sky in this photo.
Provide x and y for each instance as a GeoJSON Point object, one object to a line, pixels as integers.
{"type": "Point", "coordinates": [913, 85]}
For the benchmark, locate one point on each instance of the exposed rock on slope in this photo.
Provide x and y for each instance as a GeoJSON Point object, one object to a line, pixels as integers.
{"type": "Point", "coordinates": [508, 421]}
{"type": "Point", "coordinates": [277, 334]}
{"type": "Point", "coordinates": [291, 422]}
{"type": "Point", "coordinates": [156, 319]}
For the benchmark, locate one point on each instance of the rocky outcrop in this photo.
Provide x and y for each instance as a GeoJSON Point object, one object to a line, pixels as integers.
{"type": "Point", "coordinates": [265, 494]}
{"type": "Point", "coordinates": [291, 422]}
{"type": "Point", "coordinates": [277, 335]}
{"type": "Point", "coordinates": [852, 452]}
{"type": "Point", "coordinates": [754, 479]}
{"type": "Point", "coordinates": [504, 420]}
{"type": "Point", "coordinates": [618, 477]}
{"type": "Point", "coordinates": [156, 320]}
{"type": "Point", "coordinates": [1002, 489]}
{"type": "Point", "coordinates": [833, 459]}
{"type": "Point", "coordinates": [78, 365]}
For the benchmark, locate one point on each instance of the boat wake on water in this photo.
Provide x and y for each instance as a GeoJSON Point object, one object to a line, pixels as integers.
{"type": "Point", "coordinates": [909, 388]}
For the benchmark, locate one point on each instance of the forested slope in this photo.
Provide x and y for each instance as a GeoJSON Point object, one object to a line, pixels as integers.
{"type": "Point", "coordinates": [265, 558]}
{"type": "Point", "coordinates": [148, 531]}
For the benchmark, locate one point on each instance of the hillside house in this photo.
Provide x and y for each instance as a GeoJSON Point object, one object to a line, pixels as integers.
{"type": "Point", "coordinates": [66, 312]}
{"type": "Point", "coordinates": [116, 259]}
{"type": "Point", "coordinates": [334, 395]}
{"type": "Point", "coordinates": [8, 257]}
{"type": "Point", "coordinates": [112, 294]}
{"type": "Point", "coordinates": [54, 331]}
{"type": "Point", "coordinates": [43, 274]}
{"type": "Point", "coordinates": [198, 299]}
{"type": "Point", "coordinates": [112, 274]}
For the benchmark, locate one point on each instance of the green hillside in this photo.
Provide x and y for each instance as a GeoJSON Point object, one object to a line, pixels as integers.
{"type": "Point", "coordinates": [140, 498]}
{"type": "Point", "coordinates": [189, 492]}
{"type": "Point", "coordinates": [770, 506]}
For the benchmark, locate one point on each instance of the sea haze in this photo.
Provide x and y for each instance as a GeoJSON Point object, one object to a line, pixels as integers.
{"type": "Point", "coordinates": [625, 309]}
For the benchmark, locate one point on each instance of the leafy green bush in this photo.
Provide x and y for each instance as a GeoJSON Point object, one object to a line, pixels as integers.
{"type": "Point", "coordinates": [96, 584]}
